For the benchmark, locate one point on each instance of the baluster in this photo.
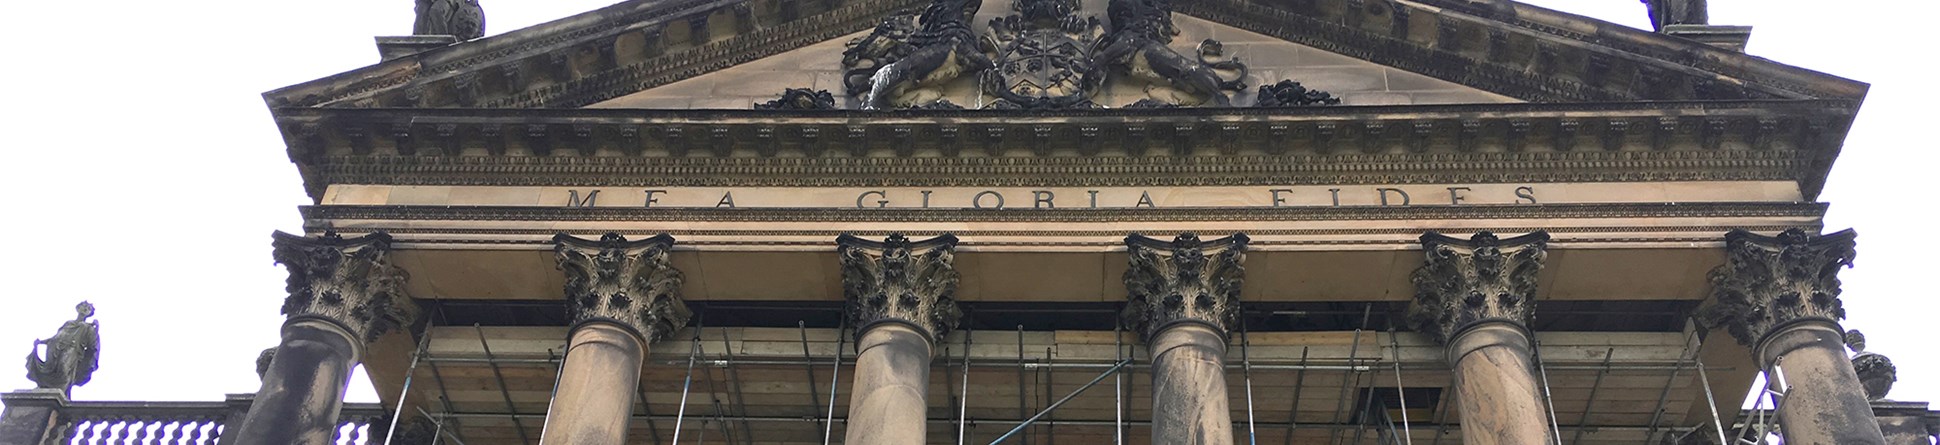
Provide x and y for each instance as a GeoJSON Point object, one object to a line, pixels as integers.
{"type": "Point", "coordinates": [113, 429]}
{"type": "Point", "coordinates": [351, 438]}
{"type": "Point", "coordinates": [144, 431]}
{"type": "Point", "coordinates": [84, 432]}
{"type": "Point", "coordinates": [195, 434]}
{"type": "Point", "coordinates": [171, 429]}
{"type": "Point", "coordinates": [66, 434]}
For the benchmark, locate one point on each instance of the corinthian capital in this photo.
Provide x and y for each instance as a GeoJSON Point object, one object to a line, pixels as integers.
{"type": "Point", "coordinates": [350, 282]}
{"type": "Point", "coordinates": [1183, 281]}
{"type": "Point", "coordinates": [1467, 282]}
{"type": "Point", "coordinates": [630, 283]}
{"type": "Point", "coordinates": [1767, 282]}
{"type": "Point", "coordinates": [900, 281]}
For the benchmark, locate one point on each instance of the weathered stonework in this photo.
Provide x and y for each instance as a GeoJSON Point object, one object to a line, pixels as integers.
{"type": "Point", "coordinates": [900, 281]}
{"type": "Point", "coordinates": [1768, 282]}
{"type": "Point", "coordinates": [629, 283]}
{"type": "Point", "coordinates": [1184, 281]}
{"type": "Point", "coordinates": [1876, 371]}
{"type": "Point", "coordinates": [348, 282]}
{"type": "Point", "coordinates": [1469, 282]}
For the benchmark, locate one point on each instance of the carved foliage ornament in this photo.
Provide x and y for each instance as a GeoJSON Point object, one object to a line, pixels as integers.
{"type": "Point", "coordinates": [1768, 282]}
{"type": "Point", "coordinates": [631, 283]}
{"type": "Point", "coordinates": [1481, 279]}
{"type": "Point", "coordinates": [1184, 281]}
{"type": "Point", "coordinates": [800, 99]}
{"type": "Point", "coordinates": [347, 281]}
{"type": "Point", "coordinates": [900, 281]}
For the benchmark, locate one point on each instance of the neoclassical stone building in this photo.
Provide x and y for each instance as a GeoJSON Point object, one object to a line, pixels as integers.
{"type": "Point", "coordinates": [1045, 221]}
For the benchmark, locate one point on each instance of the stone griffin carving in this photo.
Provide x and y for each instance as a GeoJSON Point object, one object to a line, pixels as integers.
{"type": "Point", "coordinates": [1044, 57]}
{"type": "Point", "coordinates": [1876, 372]}
{"type": "Point", "coordinates": [347, 281]}
{"type": "Point", "coordinates": [1288, 93]}
{"type": "Point", "coordinates": [1677, 12]}
{"type": "Point", "coordinates": [72, 354]}
{"type": "Point", "coordinates": [630, 283]}
{"type": "Point", "coordinates": [1768, 282]}
{"type": "Point", "coordinates": [1183, 281]}
{"type": "Point", "coordinates": [463, 19]}
{"type": "Point", "coordinates": [1469, 282]}
{"type": "Point", "coordinates": [944, 48]}
{"type": "Point", "coordinates": [1140, 31]}
{"type": "Point", "coordinates": [800, 99]}
{"type": "Point", "coordinates": [900, 281]}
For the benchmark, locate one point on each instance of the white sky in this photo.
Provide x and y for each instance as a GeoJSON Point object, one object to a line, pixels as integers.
{"type": "Point", "coordinates": [142, 171]}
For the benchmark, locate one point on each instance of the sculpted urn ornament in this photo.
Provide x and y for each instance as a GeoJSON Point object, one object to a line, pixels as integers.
{"type": "Point", "coordinates": [72, 354]}
{"type": "Point", "coordinates": [1876, 372]}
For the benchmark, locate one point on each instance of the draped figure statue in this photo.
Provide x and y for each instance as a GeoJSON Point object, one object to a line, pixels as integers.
{"type": "Point", "coordinates": [71, 355]}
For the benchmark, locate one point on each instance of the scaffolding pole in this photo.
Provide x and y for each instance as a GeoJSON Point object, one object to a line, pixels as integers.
{"type": "Point", "coordinates": [1657, 417]}
{"type": "Point", "coordinates": [1054, 405]}
{"type": "Point", "coordinates": [1590, 406]}
{"type": "Point", "coordinates": [808, 363]}
{"type": "Point", "coordinates": [963, 406]}
{"type": "Point", "coordinates": [502, 389]}
{"type": "Point", "coordinates": [424, 344]}
{"type": "Point", "coordinates": [835, 379]}
{"type": "Point", "coordinates": [1299, 383]}
{"type": "Point", "coordinates": [686, 386]}
{"type": "Point", "coordinates": [1246, 371]}
{"type": "Point", "coordinates": [1407, 432]}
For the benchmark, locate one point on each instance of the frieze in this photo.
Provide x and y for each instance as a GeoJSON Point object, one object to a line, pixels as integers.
{"type": "Point", "coordinates": [1358, 213]}
{"type": "Point", "coordinates": [900, 281]}
{"type": "Point", "coordinates": [347, 281]}
{"type": "Point", "coordinates": [1187, 280]}
{"type": "Point", "coordinates": [1768, 282]}
{"type": "Point", "coordinates": [630, 283]}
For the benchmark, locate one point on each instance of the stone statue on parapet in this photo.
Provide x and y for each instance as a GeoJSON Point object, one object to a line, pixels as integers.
{"type": "Point", "coordinates": [1876, 372]}
{"type": "Point", "coordinates": [1677, 12]}
{"type": "Point", "coordinates": [71, 355]}
{"type": "Point", "coordinates": [463, 19]}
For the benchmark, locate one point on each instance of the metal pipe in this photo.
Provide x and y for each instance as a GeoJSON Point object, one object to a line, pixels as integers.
{"type": "Point", "coordinates": [424, 343]}
{"type": "Point", "coordinates": [1549, 402]}
{"type": "Point", "coordinates": [1399, 389]}
{"type": "Point", "coordinates": [1346, 384]}
{"type": "Point", "coordinates": [1118, 388]}
{"type": "Point", "coordinates": [1050, 385]}
{"type": "Point", "coordinates": [502, 389]}
{"type": "Point", "coordinates": [1590, 406]}
{"type": "Point", "coordinates": [734, 382]}
{"type": "Point", "coordinates": [808, 363]}
{"type": "Point", "coordinates": [835, 380]}
{"type": "Point", "coordinates": [726, 432]}
{"type": "Point", "coordinates": [1656, 417]}
{"type": "Point", "coordinates": [1710, 400]}
{"type": "Point", "coordinates": [686, 386]}
{"type": "Point", "coordinates": [1054, 405]}
{"type": "Point", "coordinates": [1299, 383]}
{"type": "Point", "coordinates": [1021, 408]}
{"type": "Point", "coordinates": [1246, 370]}
{"type": "Point", "coordinates": [963, 406]}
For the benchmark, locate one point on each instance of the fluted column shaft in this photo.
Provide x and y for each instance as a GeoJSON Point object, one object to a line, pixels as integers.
{"type": "Point", "coordinates": [344, 293]}
{"type": "Point", "coordinates": [1476, 297]}
{"type": "Point", "coordinates": [1780, 296]}
{"type": "Point", "coordinates": [902, 297]}
{"type": "Point", "coordinates": [622, 295]}
{"type": "Point", "coordinates": [1184, 299]}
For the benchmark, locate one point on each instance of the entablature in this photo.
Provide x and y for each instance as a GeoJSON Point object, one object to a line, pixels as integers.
{"type": "Point", "coordinates": [1654, 141]}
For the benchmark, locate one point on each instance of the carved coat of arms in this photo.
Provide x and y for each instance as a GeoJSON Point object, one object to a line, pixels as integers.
{"type": "Point", "coordinates": [1043, 56]}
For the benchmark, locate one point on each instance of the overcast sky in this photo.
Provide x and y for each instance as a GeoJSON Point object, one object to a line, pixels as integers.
{"type": "Point", "coordinates": [141, 170]}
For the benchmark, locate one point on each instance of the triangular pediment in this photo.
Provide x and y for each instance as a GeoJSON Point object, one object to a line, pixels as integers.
{"type": "Point", "coordinates": [635, 50]}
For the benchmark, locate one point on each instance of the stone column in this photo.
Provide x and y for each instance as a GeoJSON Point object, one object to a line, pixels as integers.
{"type": "Point", "coordinates": [344, 293]}
{"type": "Point", "coordinates": [1475, 297]}
{"type": "Point", "coordinates": [1184, 300]}
{"type": "Point", "coordinates": [902, 298]}
{"type": "Point", "coordinates": [1780, 296]}
{"type": "Point", "coordinates": [622, 296]}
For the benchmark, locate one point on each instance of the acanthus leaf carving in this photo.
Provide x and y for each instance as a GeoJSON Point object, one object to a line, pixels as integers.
{"type": "Point", "coordinates": [1771, 281]}
{"type": "Point", "coordinates": [347, 281]}
{"type": "Point", "coordinates": [900, 281]}
{"type": "Point", "coordinates": [1186, 280]}
{"type": "Point", "coordinates": [631, 283]}
{"type": "Point", "coordinates": [1485, 278]}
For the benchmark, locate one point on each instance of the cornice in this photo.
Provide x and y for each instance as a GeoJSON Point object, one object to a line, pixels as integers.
{"type": "Point", "coordinates": [1177, 214]}
{"type": "Point", "coordinates": [1662, 141]}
